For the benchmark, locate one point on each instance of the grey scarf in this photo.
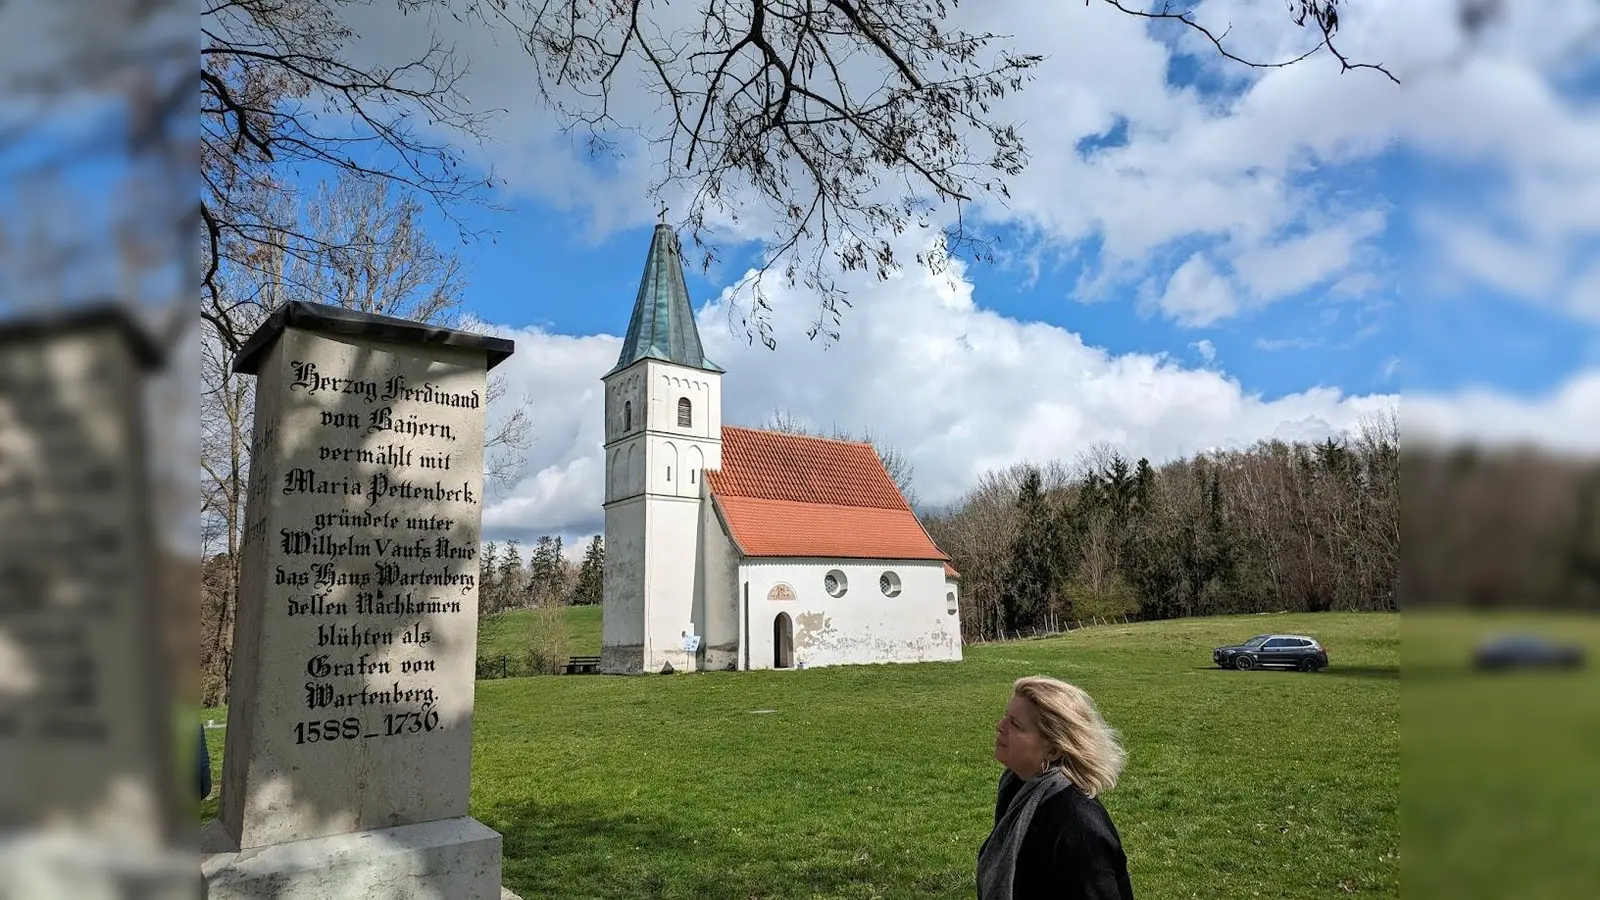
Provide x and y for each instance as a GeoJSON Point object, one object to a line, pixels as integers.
{"type": "Point", "coordinates": [997, 859]}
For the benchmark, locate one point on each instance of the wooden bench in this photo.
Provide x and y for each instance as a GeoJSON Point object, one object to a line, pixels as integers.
{"type": "Point", "coordinates": [581, 665]}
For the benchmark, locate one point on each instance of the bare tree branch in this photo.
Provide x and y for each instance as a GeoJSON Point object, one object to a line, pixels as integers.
{"type": "Point", "coordinates": [278, 91]}
{"type": "Point", "coordinates": [1324, 15]}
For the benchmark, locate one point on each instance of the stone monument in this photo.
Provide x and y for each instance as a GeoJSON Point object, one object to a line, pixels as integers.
{"type": "Point", "coordinates": [89, 802]}
{"type": "Point", "coordinates": [349, 742]}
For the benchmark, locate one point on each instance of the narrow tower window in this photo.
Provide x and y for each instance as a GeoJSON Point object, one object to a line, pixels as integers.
{"type": "Point", "coordinates": [627, 415]}
{"type": "Point", "coordinates": [685, 413]}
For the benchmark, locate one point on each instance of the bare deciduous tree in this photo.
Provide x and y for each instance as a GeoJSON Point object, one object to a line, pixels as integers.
{"type": "Point", "coordinates": [377, 260]}
{"type": "Point", "coordinates": [278, 92]}
{"type": "Point", "coordinates": [849, 121]}
{"type": "Point", "coordinates": [896, 463]}
{"type": "Point", "coordinates": [978, 535]}
{"type": "Point", "coordinates": [1278, 526]}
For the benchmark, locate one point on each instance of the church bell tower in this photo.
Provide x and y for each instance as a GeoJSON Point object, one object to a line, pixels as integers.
{"type": "Point", "coordinates": [663, 429]}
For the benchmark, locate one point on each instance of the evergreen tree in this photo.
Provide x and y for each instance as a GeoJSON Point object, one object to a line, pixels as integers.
{"type": "Point", "coordinates": [546, 574]}
{"type": "Point", "coordinates": [1144, 482]}
{"type": "Point", "coordinates": [1141, 562]}
{"type": "Point", "coordinates": [488, 578]}
{"type": "Point", "coordinates": [512, 580]}
{"type": "Point", "coordinates": [1034, 574]}
{"type": "Point", "coordinates": [1119, 487]}
{"type": "Point", "coordinates": [590, 588]}
{"type": "Point", "coordinates": [1221, 542]}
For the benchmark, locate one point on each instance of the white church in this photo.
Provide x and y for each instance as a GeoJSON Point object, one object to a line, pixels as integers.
{"type": "Point", "coordinates": [731, 548]}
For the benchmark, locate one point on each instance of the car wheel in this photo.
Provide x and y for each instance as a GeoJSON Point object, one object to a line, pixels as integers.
{"type": "Point", "coordinates": [1308, 665]}
{"type": "Point", "coordinates": [1243, 662]}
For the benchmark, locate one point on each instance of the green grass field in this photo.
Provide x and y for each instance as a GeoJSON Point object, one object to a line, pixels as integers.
{"type": "Point", "coordinates": [1502, 789]}
{"type": "Point", "coordinates": [498, 635]}
{"type": "Point", "coordinates": [877, 781]}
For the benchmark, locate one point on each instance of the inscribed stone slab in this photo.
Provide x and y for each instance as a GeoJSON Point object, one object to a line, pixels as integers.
{"type": "Point", "coordinates": [85, 718]}
{"type": "Point", "coordinates": [354, 661]}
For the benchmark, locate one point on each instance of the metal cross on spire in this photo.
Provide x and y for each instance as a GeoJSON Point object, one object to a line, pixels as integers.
{"type": "Point", "coordinates": [663, 213]}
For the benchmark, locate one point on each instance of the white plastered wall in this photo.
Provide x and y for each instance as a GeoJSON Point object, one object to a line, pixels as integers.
{"type": "Point", "coordinates": [719, 598]}
{"type": "Point", "coordinates": [862, 626]}
{"type": "Point", "coordinates": [655, 590]}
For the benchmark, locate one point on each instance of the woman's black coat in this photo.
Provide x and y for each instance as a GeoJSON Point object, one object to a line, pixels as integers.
{"type": "Point", "coordinates": [1071, 852]}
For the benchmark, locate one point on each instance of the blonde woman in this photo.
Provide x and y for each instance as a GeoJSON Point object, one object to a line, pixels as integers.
{"type": "Point", "coordinates": [1051, 836]}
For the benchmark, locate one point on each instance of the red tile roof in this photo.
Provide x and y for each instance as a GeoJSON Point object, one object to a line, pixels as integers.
{"type": "Point", "coordinates": [791, 495]}
{"type": "Point", "coordinates": [950, 571]}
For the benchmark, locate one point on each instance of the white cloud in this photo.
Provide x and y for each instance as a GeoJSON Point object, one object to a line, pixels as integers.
{"type": "Point", "coordinates": [1238, 175]}
{"type": "Point", "coordinates": [1583, 298]}
{"type": "Point", "coordinates": [1206, 349]}
{"type": "Point", "coordinates": [1285, 343]}
{"type": "Point", "coordinates": [1297, 263]}
{"type": "Point", "coordinates": [1228, 175]}
{"type": "Point", "coordinates": [958, 388]}
{"type": "Point", "coordinates": [1197, 295]}
{"type": "Point", "coordinates": [1565, 419]}
{"type": "Point", "coordinates": [1517, 267]}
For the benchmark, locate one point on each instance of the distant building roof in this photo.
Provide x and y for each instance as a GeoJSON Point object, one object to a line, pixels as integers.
{"type": "Point", "coordinates": [662, 326]}
{"type": "Point", "coordinates": [791, 495]}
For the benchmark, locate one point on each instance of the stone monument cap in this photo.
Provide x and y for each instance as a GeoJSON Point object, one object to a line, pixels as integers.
{"type": "Point", "coordinates": [144, 348]}
{"type": "Point", "coordinates": [337, 320]}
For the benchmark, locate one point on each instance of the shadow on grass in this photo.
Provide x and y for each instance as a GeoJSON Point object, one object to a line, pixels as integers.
{"type": "Point", "coordinates": [1379, 672]}
{"type": "Point", "coordinates": [1466, 671]}
{"type": "Point", "coordinates": [1335, 671]}
{"type": "Point", "coordinates": [590, 852]}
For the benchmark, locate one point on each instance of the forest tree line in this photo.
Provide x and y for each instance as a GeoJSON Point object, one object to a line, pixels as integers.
{"type": "Point", "coordinates": [1512, 528]}
{"type": "Point", "coordinates": [1279, 526]}
{"type": "Point", "coordinates": [547, 579]}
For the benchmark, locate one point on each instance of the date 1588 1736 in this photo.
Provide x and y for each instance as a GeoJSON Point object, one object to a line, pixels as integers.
{"type": "Point", "coordinates": [350, 726]}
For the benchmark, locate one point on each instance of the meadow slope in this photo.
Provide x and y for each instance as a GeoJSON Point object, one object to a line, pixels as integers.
{"type": "Point", "coordinates": [877, 781]}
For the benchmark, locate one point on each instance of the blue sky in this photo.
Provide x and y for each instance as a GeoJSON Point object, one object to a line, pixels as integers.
{"type": "Point", "coordinates": [541, 272]}
{"type": "Point", "coordinates": [544, 270]}
{"type": "Point", "coordinates": [1198, 257]}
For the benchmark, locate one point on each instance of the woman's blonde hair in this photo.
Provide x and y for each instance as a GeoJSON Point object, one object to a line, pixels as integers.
{"type": "Point", "coordinates": [1078, 740]}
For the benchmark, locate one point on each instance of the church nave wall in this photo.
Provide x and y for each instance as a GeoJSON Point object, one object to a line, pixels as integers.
{"type": "Point", "coordinates": [862, 625]}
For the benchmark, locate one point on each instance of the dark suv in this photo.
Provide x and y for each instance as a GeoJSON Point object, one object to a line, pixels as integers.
{"type": "Point", "coordinates": [1285, 651]}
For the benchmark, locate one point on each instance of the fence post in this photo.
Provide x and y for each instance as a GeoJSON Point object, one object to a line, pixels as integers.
{"type": "Point", "coordinates": [502, 665]}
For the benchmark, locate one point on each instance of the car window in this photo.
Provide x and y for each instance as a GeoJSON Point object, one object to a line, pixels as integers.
{"type": "Point", "coordinates": [1256, 641]}
{"type": "Point", "coordinates": [1276, 643]}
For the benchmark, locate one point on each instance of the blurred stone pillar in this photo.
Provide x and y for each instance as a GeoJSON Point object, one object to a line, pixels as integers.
{"type": "Point", "coordinates": [90, 803]}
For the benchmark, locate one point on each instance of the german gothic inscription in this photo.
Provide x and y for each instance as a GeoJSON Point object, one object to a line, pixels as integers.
{"type": "Point", "coordinates": [361, 543]}
{"type": "Point", "coordinates": [371, 568]}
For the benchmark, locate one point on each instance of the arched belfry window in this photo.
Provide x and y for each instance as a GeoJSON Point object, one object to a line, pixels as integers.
{"type": "Point", "coordinates": [627, 415]}
{"type": "Point", "coordinates": [685, 413]}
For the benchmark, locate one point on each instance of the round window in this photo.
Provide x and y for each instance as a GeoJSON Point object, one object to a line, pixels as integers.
{"type": "Point", "coordinates": [835, 583]}
{"type": "Point", "coordinates": [889, 583]}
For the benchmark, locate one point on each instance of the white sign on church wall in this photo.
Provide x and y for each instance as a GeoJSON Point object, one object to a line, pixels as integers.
{"type": "Point", "coordinates": [780, 591]}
